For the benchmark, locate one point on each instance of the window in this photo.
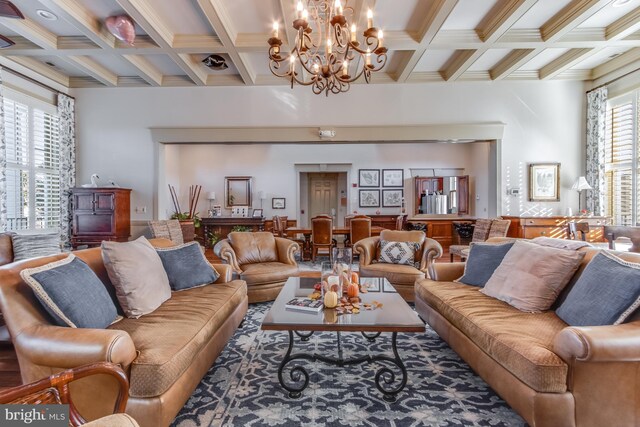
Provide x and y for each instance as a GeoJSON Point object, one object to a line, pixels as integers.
{"type": "Point", "coordinates": [33, 166]}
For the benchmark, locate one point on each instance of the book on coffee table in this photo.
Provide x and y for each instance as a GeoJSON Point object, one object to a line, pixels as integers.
{"type": "Point", "coordinates": [305, 304]}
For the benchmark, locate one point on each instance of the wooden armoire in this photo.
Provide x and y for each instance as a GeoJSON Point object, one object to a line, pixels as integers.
{"type": "Point", "coordinates": [100, 214]}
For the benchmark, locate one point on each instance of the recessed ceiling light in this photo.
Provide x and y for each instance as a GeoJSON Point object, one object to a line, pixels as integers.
{"type": "Point", "coordinates": [50, 64]}
{"type": "Point", "coordinates": [45, 14]}
{"type": "Point", "coordinates": [620, 3]}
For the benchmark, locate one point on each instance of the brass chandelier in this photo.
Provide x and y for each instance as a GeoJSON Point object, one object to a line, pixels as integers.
{"type": "Point", "coordinates": [326, 54]}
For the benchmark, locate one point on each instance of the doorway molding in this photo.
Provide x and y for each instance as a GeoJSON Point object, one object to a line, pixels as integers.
{"type": "Point", "coordinates": [306, 168]}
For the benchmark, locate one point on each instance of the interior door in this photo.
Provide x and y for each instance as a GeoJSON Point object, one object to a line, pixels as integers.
{"type": "Point", "coordinates": [323, 197]}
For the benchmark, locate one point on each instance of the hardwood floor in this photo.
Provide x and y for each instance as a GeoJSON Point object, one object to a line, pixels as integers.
{"type": "Point", "coordinates": [9, 368]}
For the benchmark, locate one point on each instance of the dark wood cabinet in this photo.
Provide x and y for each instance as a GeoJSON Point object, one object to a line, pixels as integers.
{"type": "Point", "coordinates": [223, 225]}
{"type": "Point", "coordinates": [555, 226]}
{"type": "Point", "coordinates": [100, 214]}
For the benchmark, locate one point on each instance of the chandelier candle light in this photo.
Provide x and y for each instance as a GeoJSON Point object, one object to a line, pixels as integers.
{"type": "Point", "coordinates": [326, 53]}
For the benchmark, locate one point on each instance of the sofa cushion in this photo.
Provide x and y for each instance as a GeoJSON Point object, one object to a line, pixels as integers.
{"type": "Point", "coordinates": [32, 245]}
{"type": "Point", "coordinates": [267, 272]}
{"type": "Point", "coordinates": [137, 274]}
{"type": "Point", "coordinates": [170, 338]}
{"type": "Point", "coordinates": [252, 248]}
{"type": "Point", "coordinates": [521, 342]}
{"type": "Point", "coordinates": [396, 274]}
{"type": "Point", "coordinates": [186, 266]}
{"type": "Point", "coordinates": [531, 276]}
{"type": "Point", "coordinates": [483, 260]}
{"type": "Point", "coordinates": [71, 293]}
{"type": "Point", "coordinates": [607, 292]}
{"type": "Point", "coordinates": [398, 252]}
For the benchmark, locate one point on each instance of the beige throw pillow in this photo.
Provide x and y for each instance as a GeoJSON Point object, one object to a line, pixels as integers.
{"type": "Point", "coordinates": [136, 271]}
{"type": "Point", "coordinates": [531, 276]}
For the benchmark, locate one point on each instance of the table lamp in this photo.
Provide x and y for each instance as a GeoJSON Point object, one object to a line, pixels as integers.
{"type": "Point", "coordinates": [581, 184]}
{"type": "Point", "coordinates": [211, 196]}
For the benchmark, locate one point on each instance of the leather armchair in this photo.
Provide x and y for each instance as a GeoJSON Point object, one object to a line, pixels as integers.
{"type": "Point", "coordinates": [401, 276]}
{"type": "Point", "coordinates": [262, 260]}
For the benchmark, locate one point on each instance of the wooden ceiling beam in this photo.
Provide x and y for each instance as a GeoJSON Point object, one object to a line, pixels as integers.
{"type": "Point", "coordinates": [435, 18]}
{"type": "Point", "coordinates": [145, 16]}
{"type": "Point", "coordinates": [503, 15]}
{"type": "Point", "coordinates": [83, 20]}
{"type": "Point", "coordinates": [146, 70]}
{"type": "Point", "coordinates": [623, 27]}
{"type": "Point", "coordinates": [565, 62]}
{"type": "Point", "coordinates": [40, 68]}
{"type": "Point", "coordinates": [616, 63]}
{"type": "Point", "coordinates": [94, 69]}
{"type": "Point", "coordinates": [570, 17]}
{"type": "Point", "coordinates": [512, 62]}
{"type": "Point", "coordinates": [459, 63]}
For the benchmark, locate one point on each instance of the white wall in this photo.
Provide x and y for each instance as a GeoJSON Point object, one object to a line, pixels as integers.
{"type": "Point", "coordinates": [544, 122]}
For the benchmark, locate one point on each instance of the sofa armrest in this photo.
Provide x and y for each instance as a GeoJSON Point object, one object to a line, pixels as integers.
{"type": "Point", "coordinates": [286, 250]}
{"type": "Point", "coordinates": [225, 271]}
{"type": "Point", "coordinates": [367, 249]}
{"type": "Point", "coordinates": [446, 271]}
{"type": "Point", "coordinates": [62, 347]}
{"type": "Point", "coordinates": [431, 250]}
{"type": "Point", "coordinates": [225, 252]}
{"type": "Point", "coordinates": [612, 343]}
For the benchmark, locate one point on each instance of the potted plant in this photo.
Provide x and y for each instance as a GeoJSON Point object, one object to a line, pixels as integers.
{"type": "Point", "coordinates": [189, 221]}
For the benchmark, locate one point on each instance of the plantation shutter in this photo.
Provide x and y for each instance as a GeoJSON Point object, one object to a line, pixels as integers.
{"type": "Point", "coordinates": [47, 169]}
{"type": "Point", "coordinates": [16, 123]}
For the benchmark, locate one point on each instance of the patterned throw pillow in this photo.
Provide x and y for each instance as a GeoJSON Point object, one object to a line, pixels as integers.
{"type": "Point", "coordinates": [72, 293]}
{"type": "Point", "coordinates": [186, 266]}
{"type": "Point", "coordinates": [398, 252]}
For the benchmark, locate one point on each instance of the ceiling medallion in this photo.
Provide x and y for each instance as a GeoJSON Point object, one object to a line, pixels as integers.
{"type": "Point", "coordinates": [327, 54]}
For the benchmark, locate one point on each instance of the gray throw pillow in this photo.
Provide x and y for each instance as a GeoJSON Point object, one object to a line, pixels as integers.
{"type": "Point", "coordinates": [398, 252]}
{"type": "Point", "coordinates": [483, 260]}
{"type": "Point", "coordinates": [606, 293]}
{"type": "Point", "coordinates": [34, 245]}
{"type": "Point", "coordinates": [72, 293]}
{"type": "Point", "coordinates": [137, 274]}
{"type": "Point", "coordinates": [186, 266]}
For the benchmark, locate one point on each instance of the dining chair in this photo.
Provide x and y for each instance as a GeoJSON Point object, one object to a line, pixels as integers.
{"type": "Point", "coordinates": [280, 225]}
{"type": "Point", "coordinates": [480, 234]}
{"type": "Point", "coordinates": [577, 229]}
{"type": "Point", "coordinates": [321, 235]}
{"type": "Point", "coordinates": [347, 220]}
{"type": "Point", "coordinates": [360, 228]}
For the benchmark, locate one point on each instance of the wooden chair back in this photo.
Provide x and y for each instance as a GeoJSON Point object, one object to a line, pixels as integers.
{"type": "Point", "coordinates": [360, 228]}
{"type": "Point", "coordinates": [481, 230]}
{"type": "Point", "coordinates": [400, 222]}
{"type": "Point", "coordinates": [575, 229]}
{"type": "Point", "coordinates": [321, 230]}
{"type": "Point", "coordinates": [499, 228]}
{"type": "Point", "coordinates": [280, 225]}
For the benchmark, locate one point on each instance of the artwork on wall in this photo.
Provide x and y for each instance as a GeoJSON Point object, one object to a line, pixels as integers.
{"type": "Point", "coordinates": [369, 178]}
{"type": "Point", "coordinates": [544, 182]}
{"type": "Point", "coordinates": [369, 198]}
{"type": "Point", "coordinates": [237, 191]}
{"type": "Point", "coordinates": [392, 198]}
{"type": "Point", "coordinates": [392, 177]}
{"type": "Point", "coordinates": [278, 203]}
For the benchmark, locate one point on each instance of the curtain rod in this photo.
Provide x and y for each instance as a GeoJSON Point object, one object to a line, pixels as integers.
{"type": "Point", "coordinates": [34, 81]}
{"type": "Point", "coordinates": [614, 80]}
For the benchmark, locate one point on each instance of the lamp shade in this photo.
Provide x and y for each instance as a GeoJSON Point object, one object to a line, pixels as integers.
{"type": "Point", "coordinates": [261, 195]}
{"type": "Point", "coordinates": [211, 195]}
{"type": "Point", "coordinates": [581, 184]}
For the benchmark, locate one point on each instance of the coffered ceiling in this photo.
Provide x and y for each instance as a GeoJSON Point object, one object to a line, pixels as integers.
{"type": "Point", "coordinates": [428, 40]}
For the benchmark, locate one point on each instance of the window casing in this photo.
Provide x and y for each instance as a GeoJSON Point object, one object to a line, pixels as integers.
{"type": "Point", "coordinates": [33, 165]}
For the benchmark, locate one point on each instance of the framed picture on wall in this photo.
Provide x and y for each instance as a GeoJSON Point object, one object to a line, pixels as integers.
{"type": "Point", "coordinates": [392, 198]}
{"type": "Point", "coordinates": [278, 203]}
{"type": "Point", "coordinates": [369, 198]}
{"type": "Point", "coordinates": [544, 182]}
{"type": "Point", "coordinates": [369, 178]}
{"type": "Point", "coordinates": [392, 177]}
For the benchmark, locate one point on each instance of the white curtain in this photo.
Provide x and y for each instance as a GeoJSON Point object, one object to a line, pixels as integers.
{"type": "Point", "coordinates": [596, 128]}
{"type": "Point", "coordinates": [3, 163]}
{"type": "Point", "coordinates": [66, 111]}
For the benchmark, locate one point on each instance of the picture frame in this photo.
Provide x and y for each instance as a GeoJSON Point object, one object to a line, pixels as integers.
{"type": "Point", "coordinates": [369, 198]}
{"type": "Point", "coordinates": [544, 182]}
{"type": "Point", "coordinates": [237, 191]}
{"type": "Point", "coordinates": [392, 198]}
{"type": "Point", "coordinates": [369, 178]}
{"type": "Point", "coordinates": [278, 203]}
{"type": "Point", "coordinates": [257, 213]}
{"type": "Point", "coordinates": [392, 178]}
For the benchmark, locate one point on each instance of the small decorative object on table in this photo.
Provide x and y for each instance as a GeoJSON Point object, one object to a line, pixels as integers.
{"type": "Point", "coordinates": [305, 304]}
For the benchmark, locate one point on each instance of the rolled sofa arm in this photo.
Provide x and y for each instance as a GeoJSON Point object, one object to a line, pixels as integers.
{"type": "Point", "coordinates": [367, 249]}
{"type": "Point", "coordinates": [225, 271]}
{"type": "Point", "coordinates": [612, 343]}
{"type": "Point", "coordinates": [431, 250]}
{"type": "Point", "coordinates": [446, 271]}
{"type": "Point", "coordinates": [224, 251]}
{"type": "Point", "coordinates": [287, 250]}
{"type": "Point", "coordinates": [62, 347]}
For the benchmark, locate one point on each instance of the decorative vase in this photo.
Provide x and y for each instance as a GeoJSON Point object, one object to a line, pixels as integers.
{"type": "Point", "coordinates": [342, 259]}
{"type": "Point", "coordinates": [188, 230]}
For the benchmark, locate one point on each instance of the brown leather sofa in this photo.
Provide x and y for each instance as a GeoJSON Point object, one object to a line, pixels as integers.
{"type": "Point", "coordinates": [401, 276]}
{"type": "Point", "coordinates": [551, 374]}
{"type": "Point", "coordinates": [262, 260]}
{"type": "Point", "coordinates": [165, 353]}
{"type": "Point", "coordinates": [6, 248]}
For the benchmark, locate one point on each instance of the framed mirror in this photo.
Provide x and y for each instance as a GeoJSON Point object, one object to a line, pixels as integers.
{"type": "Point", "coordinates": [237, 191]}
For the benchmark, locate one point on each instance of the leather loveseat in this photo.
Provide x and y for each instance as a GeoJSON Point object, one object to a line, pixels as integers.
{"type": "Point", "coordinates": [262, 260]}
{"type": "Point", "coordinates": [165, 353]}
{"type": "Point", "coordinates": [553, 375]}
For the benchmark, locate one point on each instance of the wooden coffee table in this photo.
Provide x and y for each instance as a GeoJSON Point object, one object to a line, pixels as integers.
{"type": "Point", "coordinates": [394, 316]}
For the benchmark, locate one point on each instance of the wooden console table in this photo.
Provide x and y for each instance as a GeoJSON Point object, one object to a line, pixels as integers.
{"type": "Point", "coordinates": [555, 226]}
{"type": "Point", "coordinates": [222, 225]}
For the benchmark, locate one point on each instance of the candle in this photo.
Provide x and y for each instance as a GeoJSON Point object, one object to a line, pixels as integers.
{"type": "Point", "coordinates": [292, 61]}
{"type": "Point", "coordinates": [380, 36]}
{"type": "Point", "coordinates": [305, 15]}
{"type": "Point", "coordinates": [299, 10]}
{"type": "Point", "coordinates": [316, 68]}
{"type": "Point", "coordinates": [367, 57]}
{"type": "Point", "coordinates": [353, 32]}
{"type": "Point", "coordinates": [275, 29]}
{"type": "Point", "coordinates": [328, 46]}
{"type": "Point", "coordinates": [338, 7]}
{"type": "Point", "coordinates": [370, 18]}
{"type": "Point", "coordinates": [345, 68]}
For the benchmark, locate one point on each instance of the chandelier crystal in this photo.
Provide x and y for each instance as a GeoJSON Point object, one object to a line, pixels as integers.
{"type": "Point", "coordinates": [326, 53]}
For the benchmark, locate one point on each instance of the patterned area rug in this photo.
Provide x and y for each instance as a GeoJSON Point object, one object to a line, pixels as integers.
{"type": "Point", "coordinates": [242, 387]}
